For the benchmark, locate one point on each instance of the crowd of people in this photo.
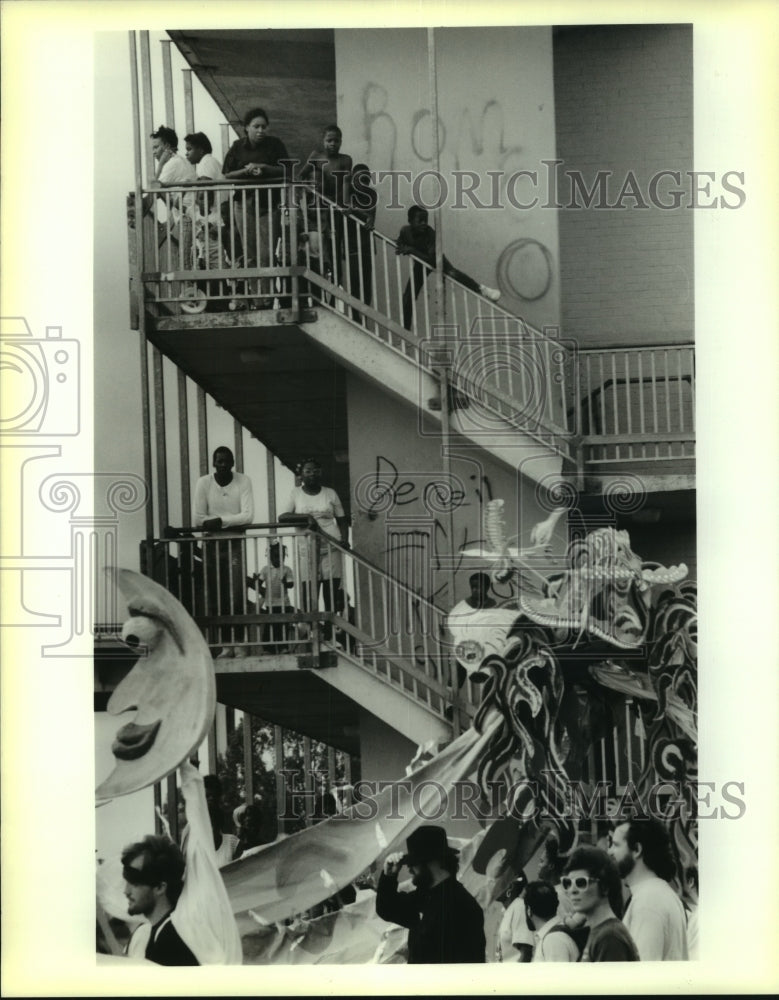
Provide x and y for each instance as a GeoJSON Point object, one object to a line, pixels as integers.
{"type": "Point", "coordinates": [608, 905]}
{"type": "Point", "coordinates": [339, 241]}
{"type": "Point", "coordinates": [616, 904]}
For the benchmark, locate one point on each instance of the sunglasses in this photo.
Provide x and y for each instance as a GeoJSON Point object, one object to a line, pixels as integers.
{"type": "Point", "coordinates": [580, 883]}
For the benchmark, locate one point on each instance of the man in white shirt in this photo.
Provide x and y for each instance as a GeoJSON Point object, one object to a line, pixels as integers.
{"type": "Point", "coordinates": [224, 502]}
{"type": "Point", "coordinates": [655, 914]}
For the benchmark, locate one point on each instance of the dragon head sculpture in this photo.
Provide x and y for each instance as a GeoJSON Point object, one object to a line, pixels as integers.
{"type": "Point", "coordinates": [604, 594]}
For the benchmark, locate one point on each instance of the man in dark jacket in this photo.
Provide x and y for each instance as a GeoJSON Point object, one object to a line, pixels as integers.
{"type": "Point", "coordinates": [445, 923]}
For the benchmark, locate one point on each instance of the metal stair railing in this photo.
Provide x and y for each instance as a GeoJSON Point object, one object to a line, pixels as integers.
{"type": "Point", "coordinates": [395, 633]}
{"type": "Point", "coordinates": [495, 358]}
{"type": "Point", "coordinates": [314, 253]}
{"type": "Point", "coordinates": [379, 624]}
{"type": "Point", "coordinates": [636, 403]}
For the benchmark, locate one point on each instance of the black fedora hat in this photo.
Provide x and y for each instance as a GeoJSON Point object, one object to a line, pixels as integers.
{"type": "Point", "coordinates": [428, 843]}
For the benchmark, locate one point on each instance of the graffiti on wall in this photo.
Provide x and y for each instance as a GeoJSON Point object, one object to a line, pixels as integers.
{"type": "Point", "coordinates": [475, 141]}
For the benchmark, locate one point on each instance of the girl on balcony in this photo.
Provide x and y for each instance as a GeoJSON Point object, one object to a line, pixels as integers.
{"type": "Point", "coordinates": [258, 159]}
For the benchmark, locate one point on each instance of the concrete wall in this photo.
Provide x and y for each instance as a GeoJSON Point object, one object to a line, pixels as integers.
{"type": "Point", "coordinates": [496, 109]}
{"type": "Point", "coordinates": [623, 102]}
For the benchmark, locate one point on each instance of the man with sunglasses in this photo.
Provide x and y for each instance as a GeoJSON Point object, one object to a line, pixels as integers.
{"type": "Point", "coordinates": [153, 870]}
{"type": "Point", "coordinates": [594, 889]}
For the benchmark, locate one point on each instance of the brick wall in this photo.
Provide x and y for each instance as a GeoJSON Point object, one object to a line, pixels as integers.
{"type": "Point", "coordinates": [624, 102]}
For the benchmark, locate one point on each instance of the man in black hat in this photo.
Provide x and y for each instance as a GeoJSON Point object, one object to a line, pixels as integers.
{"type": "Point", "coordinates": [445, 923]}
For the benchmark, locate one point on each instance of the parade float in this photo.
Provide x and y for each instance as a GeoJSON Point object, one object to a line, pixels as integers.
{"type": "Point", "coordinates": [602, 623]}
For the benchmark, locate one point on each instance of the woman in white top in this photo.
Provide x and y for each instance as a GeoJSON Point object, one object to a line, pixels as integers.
{"type": "Point", "coordinates": [316, 507]}
{"type": "Point", "coordinates": [206, 207]}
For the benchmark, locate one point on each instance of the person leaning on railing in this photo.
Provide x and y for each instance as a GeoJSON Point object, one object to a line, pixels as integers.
{"type": "Point", "coordinates": [207, 207]}
{"type": "Point", "coordinates": [224, 502]}
{"type": "Point", "coordinates": [318, 508]}
{"type": "Point", "coordinates": [173, 170]}
{"type": "Point", "coordinates": [256, 159]}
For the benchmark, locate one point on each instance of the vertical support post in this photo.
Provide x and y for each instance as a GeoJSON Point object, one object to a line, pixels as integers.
{"type": "Point", "coordinates": [443, 375]}
{"type": "Point", "coordinates": [202, 433]}
{"type": "Point", "coordinates": [211, 746]}
{"type": "Point", "coordinates": [439, 319]}
{"type": "Point", "coordinates": [330, 767]}
{"type": "Point", "coordinates": [313, 593]}
{"type": "Point", "coordinates": [440, 302]}
{"type": "Point", "coordinates": [167, 76]}
{"type": "Point", "coordinates": [270, 475]}
{"type": "Point", "coordinates": [173, 807]}
{"type": "Point", "coordinates": [224, 131]}
{"type": "Point", "coordinates": [184, 475]}
{"type": "Point", "coordinates": [229, 723]}
{"type": "Point", "coordinates": [157, 807]}
{"type": "Point", "coordinates": [307, 778]}
{"type": "Point", "coordinates": [148, 106]}
{"type": "Point", "coordinates": [159, 428]}
{"type": "Point", "coordinates": [248, 758]}
{"type": "Point", "coordinates": [189, 107]}
{"type": "Point", "coordinates": [238, 439]}
{"type": "Point", "coordinates": [293, 249]}
{"type": "Point", "coordinates": [139, 268]}
{"type": "Point", "coordinates": [278, 755]}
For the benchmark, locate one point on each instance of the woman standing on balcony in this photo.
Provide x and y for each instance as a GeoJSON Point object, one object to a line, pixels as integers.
{"type": "Point", "coordinates": [318, 508]}
{"type": "Point", "coordinates": [258, 159]}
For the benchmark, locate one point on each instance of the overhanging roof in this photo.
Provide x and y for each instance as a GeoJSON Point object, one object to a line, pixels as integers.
{"type": "Point", "coordinates": [290, 73]}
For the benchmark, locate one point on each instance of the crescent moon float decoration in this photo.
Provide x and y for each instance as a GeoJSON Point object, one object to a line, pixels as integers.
{"type": "Point", "coordinates": [171, 689]}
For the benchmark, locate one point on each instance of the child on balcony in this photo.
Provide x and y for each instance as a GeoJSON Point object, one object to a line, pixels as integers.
{"type": "Point", "coordinates": [418, 239]}
{"type": "Point", "coordinates": [276, 579]}
{"type": "Point", "coordinates": [331, 171]}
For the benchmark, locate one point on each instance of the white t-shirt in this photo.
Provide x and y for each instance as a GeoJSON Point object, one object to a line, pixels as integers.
{"type": "Point", "coordinates": [513, 930]}
{"type": "Point", "coordinates": [208, 167]}
{"type": "Point", "coordinates": [656, 921]}
{"type": "Point", "coordinates": [177, 170]}
{"type": "Point", "coordinates": [324, 506]}
{"type": "Point", "coordinates": [274, 578]}
{"type": "Point", "coordinates": [234, 503]}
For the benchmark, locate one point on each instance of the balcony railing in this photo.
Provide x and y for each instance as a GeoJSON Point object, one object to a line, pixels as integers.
{"type": "Point", "coordinates": [336, 601]}
{"type": "Point", "coordinates": [637, 404]}
{"type": "Point", "coordinates": [286, 248]}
